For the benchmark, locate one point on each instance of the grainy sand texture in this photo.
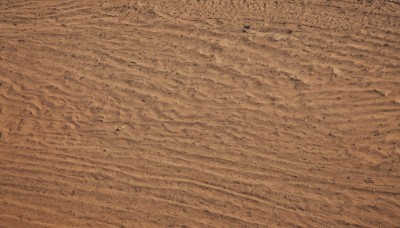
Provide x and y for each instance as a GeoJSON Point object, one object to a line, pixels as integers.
{"type": "Point", "coordinates": [199, 113]}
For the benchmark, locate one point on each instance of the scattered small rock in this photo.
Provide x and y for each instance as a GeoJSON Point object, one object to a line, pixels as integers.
{"type": "Point", "coordinates": [246, 26]}
{"type": "Point", "coordinates": [373, 206]}
{"type": "Point", "coordinates": [120, 128]}
{"type": "Point", "coordinates": [249, 214]}
{"type": "Point", "coordinates": [369, 180]}
{"type": "Point", "coordinates": [383, 94]}
{"type": "Point", "coordinates": [289, 31]}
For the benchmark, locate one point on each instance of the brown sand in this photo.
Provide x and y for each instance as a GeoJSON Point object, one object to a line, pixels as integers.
{"type": "Point", "coordinates": [171, 113]}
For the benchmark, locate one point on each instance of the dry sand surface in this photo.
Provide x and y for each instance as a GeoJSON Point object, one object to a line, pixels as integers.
{"type": "Point", "coordinates": [207, 113]}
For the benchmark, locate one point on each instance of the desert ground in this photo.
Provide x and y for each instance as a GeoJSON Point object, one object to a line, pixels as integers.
{"type": "Point", "coordinates": [207, 113]}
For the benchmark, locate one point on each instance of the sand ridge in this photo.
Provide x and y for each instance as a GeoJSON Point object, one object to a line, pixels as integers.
{"type": "Point", "coordinates": [208, 113]}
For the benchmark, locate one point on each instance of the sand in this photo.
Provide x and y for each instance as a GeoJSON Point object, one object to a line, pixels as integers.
{"type": "Point", "coordinates": [207, 113]}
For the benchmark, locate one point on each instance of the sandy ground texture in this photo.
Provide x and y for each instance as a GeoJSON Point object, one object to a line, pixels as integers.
{"type": "Point", "coordinates": [207, 113]}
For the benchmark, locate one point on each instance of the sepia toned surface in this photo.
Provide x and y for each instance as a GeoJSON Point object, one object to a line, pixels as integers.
{"type": "Point", "coordinates": [207, 113]}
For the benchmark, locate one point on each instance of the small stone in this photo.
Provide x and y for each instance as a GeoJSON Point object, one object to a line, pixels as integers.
{"type": "Point", "coordinates": [369, 180]}
{"type": "Point", "coordinates": [246, 26]}
{"type": "Point", "coordinates": [120, 128]}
